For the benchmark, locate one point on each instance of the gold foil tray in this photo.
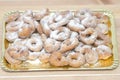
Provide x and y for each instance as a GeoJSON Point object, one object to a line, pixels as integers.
{"type": "Point", "coordinates": [108, 64]}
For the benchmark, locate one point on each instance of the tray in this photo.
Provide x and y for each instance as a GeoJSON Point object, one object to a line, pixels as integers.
{"type": "Point", "coordinates": [110, 63]}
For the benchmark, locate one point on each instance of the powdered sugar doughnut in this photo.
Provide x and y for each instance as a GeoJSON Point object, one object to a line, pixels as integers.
{"type": "Point", "coordinates": [57, 59]}
{"type": "Point", "coordinates": [102, 39]}
{"type": "Point", "coordinates": [51, 45]}
{"type": "Point", "coordinates": [19, 52]}
{"type": "Point", "coordinates": [34, 43]}
{"type": "Point", "coordinates": [103, 19]}
{"type": "Point", "coordinates": [89, 21]}
{"type": "Point", "coordinates": [11, 36]}
{"type": "Point", "coordinates": [82, 48]}
{"type": "Point", "coordinates": [27, 28]}
{"type": "Point", "coordinates": [33, 55]}
{"type": "Point", "coordinates": [61, 19]}
{"type": "Point", "coordinates": [44, 56]}
{"type": "Point", "coordinates": [38, 27]}
{"type": "Point", "coordinates": [63, 14]}
{"type": "Point", "coordinates": [61, 33]}
{"type": "Point", "coordinates": [20, 41]}
{"type": "Point", "coordinates": [45, 23]}
{"type": "Point", "coordinates": [69, 44]}
{"type": "Point", "coordinates": [75, 59]}
{"type": "Point", "coordinates": [12, 17]}
{"type": "Point", "coordinates": [103, 28]}
{"type": "Point", "coordinates": [104, 52]}
{"type": "Point", "coordinates": [83, 13]}
{"type": "Point", "coordinates": [75, 26]}
{"type": "Point", "coordinates": [30, 21]}
{"type": "Point", "coordinates": [25, 31]}
{"type": "Point", "coordinates": [91, 56]}
{"type": "Point", "coordinates": [39, 15]}
{"type": "Point", "coordinates": [10, 59]}
{"type": "Point", "coordinates": [88, 36]}
{"type": "Point", "coordinates": [14, 26]}
{"type": "Point", "coordinates": [27, 13]}
{"type": "Point", "coordinates": [78, 48]}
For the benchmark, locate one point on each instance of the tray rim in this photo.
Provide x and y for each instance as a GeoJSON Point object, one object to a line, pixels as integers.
{"type": "Point", "coordinates": [114, 65]}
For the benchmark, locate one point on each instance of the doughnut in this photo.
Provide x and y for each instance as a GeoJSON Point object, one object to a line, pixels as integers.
{"type": "Point", "coordinates": [27, 13]}
{"type": "Point", "coordinates": [69, 44]}
{"type": "Point", "coordinates": [57, 59]}
{"type": "Point", "coordinates": [88, 36]}
{"type": "Point", "coordinates": [45, 21]}
{"type": "Point", "coordinates": [103, 28]}
{"type": "Point", "coordinates": [91, 56]}
{"type": "Point", "coordinates": [39, 15]}
{"type": "Point", "coordinates": [83, 13]}
{"type": "Point", "coordinates": [61, 19]}
{"type": "Point", "coordinates": [51, 45]}
{"type": "Point", "coordinates": [44, 56]}
{"type": "Point", "coordinates": [27, 28]}
{"type": "Point", "coordinates": [19, 52]}
{"type": "Point", "coordinates": [75, 26]}
{"type": "Point", "coordinates": [14, 26]}
{"type": "Point", "coordinates": [61, 33]}
{"type": "Point", "coordinates": [102, 39]}
{"type": "Point", "coordinates": [75, 59]}
{"type": "Point", "coordinates": [11, 60]}
{"type": "Point", "coordinates": [104, 52]}
{"type": "Point", "coordinates": [12, 17]}
{"type": "Point", "coordinates": [11, 36]}
{"type": "Point", "coordinates": [33, 55]}
{"type": "Point", "coordinates": [35, 43]}
{"type": "Point", "coordinates": [38, 27]}
{"type": "Point", "coordinates": [79, 47]}
{"type": "Point", "coordinates": [89, 21]}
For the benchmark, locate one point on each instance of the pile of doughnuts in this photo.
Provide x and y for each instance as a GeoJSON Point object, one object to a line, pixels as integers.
{"type": "Point", "coordinates": [60, 38]}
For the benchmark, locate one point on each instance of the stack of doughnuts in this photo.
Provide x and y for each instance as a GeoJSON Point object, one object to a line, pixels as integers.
{"type": "Point", "coordinates": [61, 38]}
